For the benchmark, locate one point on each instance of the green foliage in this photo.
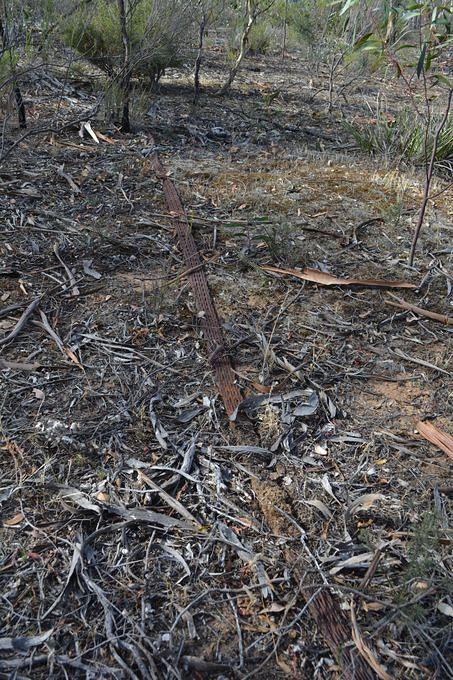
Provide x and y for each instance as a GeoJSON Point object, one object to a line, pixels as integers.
{"type": "Point", "coordinates": [96, 35]}
{"type": "Point", "coordinates": [408, 36]}
{"type": "Point", "coordinates": [279, 240]}
{"type": "Point", "coordinates": [276, 239]}
{"type": "Point", "coordinates": [303, 22]}
{"type": "Point", "coordinates": [8, 62]}
{"type": "Point", "coordinates": [402, 138]}
{"type": "Point", "coordinates": [301, 19]}
{"type": "Point", "coordinates": [261, 38]}
{"type": "Point", "coordinates": [416, 40]}
{"type": "Point", "coordinates": [155, 41]}
{"type": "Point", "coordinates": [113, 98]}
{"type": "Point", "coordinates": [423, 567]}
{"type": "Point", "coordinates": [422, 548]}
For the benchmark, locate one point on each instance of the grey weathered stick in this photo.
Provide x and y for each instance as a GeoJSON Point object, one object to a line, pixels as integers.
{"type": "Point", "coordinates": [73, 285]}
{"type": "Point", "coordinates": [21, 323]}
{"type": "Point", "coordinates": [6, 311]}
{"type": "Point", "coordinates": [18, 365]}
{"type": "Point", "coordinates": [420, 362]}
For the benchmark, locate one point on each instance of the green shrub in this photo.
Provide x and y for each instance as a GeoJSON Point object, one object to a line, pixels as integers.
{"type": "Point", "coordinates": [158, 37]}
{"type": "Point", "coordinates": [260, 38]}
{"type": "Point", "coordinates": [8, 61]}
{"type": "Point", "coordinates": [301, 22]}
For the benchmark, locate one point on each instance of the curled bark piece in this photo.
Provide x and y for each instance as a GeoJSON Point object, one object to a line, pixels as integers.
{"type": "Point", "coordinates": [437, 437]}
{"type": "Point", "coordinates": [324, 279]}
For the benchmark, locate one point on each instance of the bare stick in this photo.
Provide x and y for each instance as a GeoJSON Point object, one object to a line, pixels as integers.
{"type": "Point", "coordinates": [21, 323]}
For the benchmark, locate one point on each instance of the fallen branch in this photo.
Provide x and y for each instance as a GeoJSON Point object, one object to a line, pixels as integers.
{"type": "Point", "coordinates": [364, 650]}
{"type": "Point", "coordinates": [420, 362]}
{"type": "Point", "coordinates": [14, 644]}
{"type": "Point", "coordinates": [402, 304]}
{"type": "Point", "coordinates": [18, 365]}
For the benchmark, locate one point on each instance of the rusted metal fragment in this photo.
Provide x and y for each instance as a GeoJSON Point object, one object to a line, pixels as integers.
{"type": "Point", "coordinates": [335, 630]}
{"type": "Point", "coordinates": [322, 605]}
{"type": "Point", "coordinates": [210, 324]}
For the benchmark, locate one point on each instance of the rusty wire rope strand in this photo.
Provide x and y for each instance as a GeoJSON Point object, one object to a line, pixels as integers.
{"type": "Point", "coordinates": [334, 627]}
{"type": "Point", "coordinates": [210, 324]}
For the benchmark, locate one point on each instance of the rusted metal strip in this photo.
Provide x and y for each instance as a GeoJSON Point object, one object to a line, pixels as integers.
{"type": "Point", "coordinates": [321, 602]}
{"type": "Point", "coordinates": [332, 623]}
{"type": "Point", "coordinates": [210, 324]}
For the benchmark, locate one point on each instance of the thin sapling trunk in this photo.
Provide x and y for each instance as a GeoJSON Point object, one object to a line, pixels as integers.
{"type": "Point", "coordinates": [196, 73]}
{"type": "Point", "coordinates": [20, 105]}
{"type": "Point", "coordinates": [285, 30]}
{"type": "Point", "coordinates": [428, 180]}
{"type": "Point", "coordinates": [126, 75]}
{"type": "Point", "coordinates": [251, 20]}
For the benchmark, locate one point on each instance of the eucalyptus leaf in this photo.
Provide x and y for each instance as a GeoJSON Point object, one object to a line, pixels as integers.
{"type": "Point", "coordinates": [361, 41]}
{"type": "Point", "coordinates": [421, 60]}
{"type": "Point", "coordinates": [347, 6]}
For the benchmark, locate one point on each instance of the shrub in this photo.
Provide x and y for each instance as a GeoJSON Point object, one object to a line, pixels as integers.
{"type": "Point", "coordinates": [157, 32]}
{"type": "Point", "coordinates": [267, 34]}
{"type": "Point", "coordinates": [301, 20]}
{"type": "Point", "coordinates": [260, 38]}
{"type": "Point", "coordinates": [9, 59]}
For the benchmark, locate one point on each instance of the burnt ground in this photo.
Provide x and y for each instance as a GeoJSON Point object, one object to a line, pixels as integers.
{"type": "Point", "coordinates": [146, 536]}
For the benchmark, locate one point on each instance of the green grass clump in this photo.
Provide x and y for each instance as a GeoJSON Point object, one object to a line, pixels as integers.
{"type": "Point", "coordinates": [402, 137]}
{"type": "Point", "coordinates": [423, 570]}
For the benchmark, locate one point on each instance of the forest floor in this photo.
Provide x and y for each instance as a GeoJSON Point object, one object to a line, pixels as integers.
{"type": "Point", "coordinates": [144, 535]}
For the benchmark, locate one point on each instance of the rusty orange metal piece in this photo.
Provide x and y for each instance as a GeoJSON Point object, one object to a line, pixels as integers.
{"type": "Point", "coordinates": [210, 324]}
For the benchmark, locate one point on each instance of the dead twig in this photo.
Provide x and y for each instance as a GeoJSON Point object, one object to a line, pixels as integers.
{"type": "Point", "coordinates": [21, 323]}
{"type": "Point", "coordinates": [420, 362]}
{"type": "Point", "coordinates": [72, 281]}
{"type": "Point", "coordinates": [402, 304]}
{"type": "Point", "coordinates": [364, 650]}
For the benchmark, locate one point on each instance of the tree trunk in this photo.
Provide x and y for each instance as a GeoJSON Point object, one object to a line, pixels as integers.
{"type": "Point", "coordinates": [126, 75]}
{"type": "Point", "coordinates": [20, 108]}
{"type": "Point", "coordinates": [285, 30]}
{"type": "Point", "coordinates": [251, 19]}
{"type": "Point", "coordinates": [20, 105]}
{"type": "Point", "coordinates": [196, 73]}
